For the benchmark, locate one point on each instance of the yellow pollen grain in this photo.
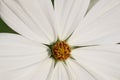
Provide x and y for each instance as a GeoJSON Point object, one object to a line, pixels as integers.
{"type": "Point", "coordinates": [61, 50]}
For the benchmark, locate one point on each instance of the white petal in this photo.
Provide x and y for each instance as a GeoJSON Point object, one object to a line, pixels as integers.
{"type": "Point", "coordinates": [105, 29]}
{"type": "Point", "coordinates": [20, 74]}
{"type": "Point", "coordinates": [103, 62]}
{"type": "Point", "coordinates": [69, 14]}
{"type": "Point", "coordinates": [17, 52]}
{"type": "Point", "coordinates": [101, 7]}
{"type": "Point", "coordinates": [92, 3]}
{"type": "Point", "coordinates": [60, 72]}
{"type": "Point", "coordinates": [77, 72]}
{"type": "Point", "coordinates": [33, 20]}
{"type": "Point", "coordinates": [44, 70]}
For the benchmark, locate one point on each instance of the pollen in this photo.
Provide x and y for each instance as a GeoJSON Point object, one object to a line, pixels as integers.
{"type": "Point", "coordinates": [61, 50]}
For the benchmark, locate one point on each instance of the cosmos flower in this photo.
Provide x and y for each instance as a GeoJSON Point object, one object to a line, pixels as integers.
{"type": "Point", "coordinates": [70, 41]}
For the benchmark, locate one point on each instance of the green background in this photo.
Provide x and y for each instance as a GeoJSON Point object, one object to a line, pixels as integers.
{"type": "Point", "coordinates": [5, 28]}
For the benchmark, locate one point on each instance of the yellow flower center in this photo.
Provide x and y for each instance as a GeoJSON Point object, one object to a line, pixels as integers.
{"type": "Point", "coordinates": [61, 50]}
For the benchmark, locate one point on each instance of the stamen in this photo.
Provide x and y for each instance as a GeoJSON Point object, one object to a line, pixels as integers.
{"type": "Point", "coordinates": [61, 50]}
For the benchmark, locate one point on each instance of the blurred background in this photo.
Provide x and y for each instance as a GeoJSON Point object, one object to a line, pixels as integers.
{"type": "Point", "coordinates": [5, 28]}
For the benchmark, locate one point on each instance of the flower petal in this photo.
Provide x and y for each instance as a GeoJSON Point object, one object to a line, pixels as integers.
{"type": "Point", "coordinates": [69, 14]}
{"type": "Point", "coordinates": [33, 20]}
{"type": "Point", "coordinates": [38, 71]}
{"type": "Point", "coordinates": [44, 70]}
{"type": "Point", "coordinates": [103, 30]}
{"type": "Point", "coordinates": [18, 52]}
{"type": "Point", "coordinates": [77, 72]}
{"type": "Point", "coordinates": [98, 10]}
{"type": "Point", "coordinates": [20, 74]}
{"type": "Point", "coordinates": [103, 62]}
{"type": "Point", "coordinates": [59, 72]}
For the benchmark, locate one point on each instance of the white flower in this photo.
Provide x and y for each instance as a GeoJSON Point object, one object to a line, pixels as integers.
{"type": "Point", "coordinates": [89, 38]}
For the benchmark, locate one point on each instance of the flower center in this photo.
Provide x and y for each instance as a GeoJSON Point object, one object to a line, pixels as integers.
{"type": "Point", "coordinates": [61, 50]}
